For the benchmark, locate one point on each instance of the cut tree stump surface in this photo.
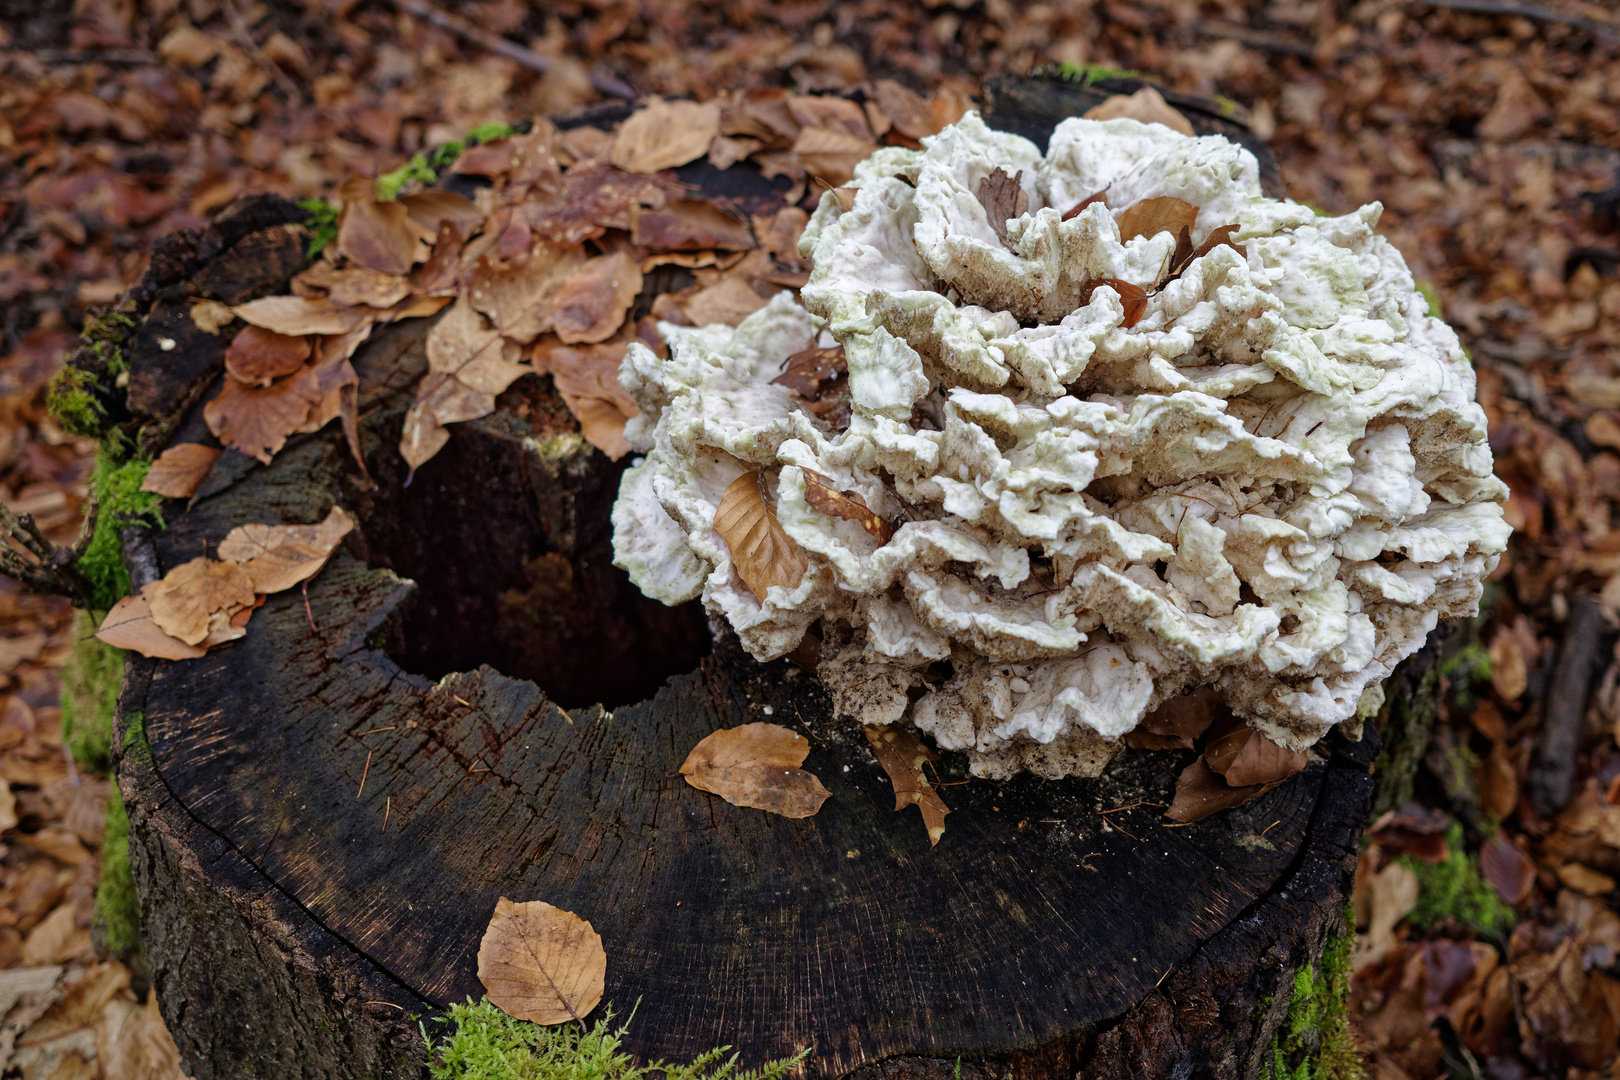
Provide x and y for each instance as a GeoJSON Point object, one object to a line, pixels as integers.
{"type": "Point", "coordinates": [320, 834]}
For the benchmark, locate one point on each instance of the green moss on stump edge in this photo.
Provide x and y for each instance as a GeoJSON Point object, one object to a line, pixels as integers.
{"type": "Point", "coordinates": [1314, 1042]}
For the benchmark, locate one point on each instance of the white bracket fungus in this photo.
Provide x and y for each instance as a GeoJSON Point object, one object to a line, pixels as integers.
{"type": "Point", "coordinates": [1267, 475]}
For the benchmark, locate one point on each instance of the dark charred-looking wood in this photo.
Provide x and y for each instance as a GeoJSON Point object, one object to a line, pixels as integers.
{"type": "Point", "coordinates": [1550, 779]}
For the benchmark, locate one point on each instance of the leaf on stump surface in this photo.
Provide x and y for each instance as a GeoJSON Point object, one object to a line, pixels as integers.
{"type": "Point", "coordinates": [361, 286]}
{"type": "Point", "coordinates": [813, 371]}
{"type": "Point", "coordinates": [902, 754]}
{"type": "Point", "coordinates": [257, 420]}
{"type": "Point", "coordinates": [729, 300]}
{"type": "Point", "coordinates": [690, 225]}
{"type": "Point", "coordinates": [665, 134]}
{"type": "Point", "coordinates": [763, 553]}
{"type": "Point", "coordinates": [129, 625]}
{"type": "Point", "coordinates": [1200, 792]}
{"type": "Point", "coordinates": [1146, 105]}
{"type": "Point", "coordinates": [179, 470]}
{"type": "Point", "coordinates": [1150, 217]}
{"type": "Point", "coordinates": [589, 199]}
{"type": "Point", "coordinates": [1003, 197]}
{"type": "Point", "coordinates": [1176, 723]}
{"type": "Point", "coordinates": [297, 315]}
{"type": "Point", "coordinates": [277, 557]}
{"type": "Point", "coordinates": [756, 765]}
{"type": "Point", "coordinates": [820, 493]}
{"type": "Point", "coordinates": [540, 963]}
{"type": "Point", "coordinates": [832, 155]}
{"type": "Point", "coordinates": [186, 596]}
{"type": "Point", "coordinates": [211, 316]}
{"type": "Point", "coordinates": [372, 233]}
{"type": "Point", "coordinates": [463, 345]}
{"type": "Point", "coordinates": [258, 356]}
{"type": "Point", "coordinates": [441, 399]}
{"type": "Point", "coordinates": [588, 380]}
{"type": "Point", "coordinates": [1247, 758]}
{"type": "Point", "coordinates": [592, 306]}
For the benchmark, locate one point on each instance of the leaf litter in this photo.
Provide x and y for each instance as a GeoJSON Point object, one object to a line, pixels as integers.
{"type": "Point", "coordinates": [756, 765]}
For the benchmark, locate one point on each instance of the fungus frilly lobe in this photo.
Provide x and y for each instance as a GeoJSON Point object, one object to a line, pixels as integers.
{"type": "Point", "coordinates": [1273, 482]}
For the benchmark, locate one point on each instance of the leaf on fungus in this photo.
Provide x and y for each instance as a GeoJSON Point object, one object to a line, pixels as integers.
{"type": "Point", "coordinates": [1146, 105]}
{"type": "Point", "coordinates": [690, 225]}
{"type": "Point", "coordinates": [729, 300]}
{"type": "Point", "coordinates": [180, 470]}
{"type": "Point", "coordinates": [258, 356]}
{"type": "Point", "coordinates": [902, 754]}
{"type": "Point", "coordinates": [1245, 757]}
{"type": "Point", "coordinates": [1074, 211]}
{"type": "Point", "coordinates": [1176, 723]}
{"type": "Point", "coordinates": [1003, 197]}
{"type": "Point", "coordinates": [187, 595]}
{"type": "Point", "coordinates": [257, 420]}
{"type": "Point", "coordinates": [375, 234]}
{"type": "Point", "coordinates": [1150, 217]}
{"type": "Point", "coordinates": [1133, 297]}
{"type": "Point", "coordinates": [821, 495]}
{"type": "Point", "coordinates": [756, 765]}
{"type": "Point", "coordinates": [665, 134]}
{"type": "Point", "coordinates": [1216, 238]}
{"type": "Point", "coordinates": [540, 963]}
{"type": "Point", "coordinates": [813, 371]}
{"type": "Point", "coordinates": [129, 625]}
{"type": "Point", "coordinates": [295, 315]}
{"type": "Point", "coordinates": [762, 551]}
{"type": "Point", "coordinates": [1201, 792]}
{"type": "Point", "coordinates": [594, 302]}
{"type": "Point", "coordinates": [277, 557]}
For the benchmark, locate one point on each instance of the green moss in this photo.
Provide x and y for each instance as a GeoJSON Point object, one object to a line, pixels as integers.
{"type": "Point", "coordinates": [135, 745]}
{"type": "Point", "coordinates": [389, 184]}
{"type": "Point", "coordinates": [1225, 104]}
{"type": "Point", "coordinates": [1086, 74]}
{"type": "Point", "coordinates": [116, 478]}
{"type": "Point", "coordinates": [1432, 297]}
{"type": "Point", "coordinates": [1455, 890]}
{"type": "Point", "coordinates": [490, 1045]}
{"type": "Point", "coordinates": [118, 913]}
{"type": "Point", "coordinates": [321, 217]}
{"type": "Point", "coordinates": [72, 400]}
{"type": "Point", "coordinates": [484, 133]}
{"type": "Point", "coordinates": [1314, 1042]}
{"type": "Point", "coordinates": [90, 680]}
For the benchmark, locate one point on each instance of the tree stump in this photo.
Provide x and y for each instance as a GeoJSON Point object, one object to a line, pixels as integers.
{"type": "Point", "coordinates": [470, 702]}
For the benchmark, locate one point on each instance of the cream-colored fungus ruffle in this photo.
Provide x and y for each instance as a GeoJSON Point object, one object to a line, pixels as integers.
{"type": "Point", "coordinates": [1273, 483]}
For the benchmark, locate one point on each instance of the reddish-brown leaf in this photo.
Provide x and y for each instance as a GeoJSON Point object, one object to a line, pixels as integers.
{"type": "Point", "coordinates": [429, 210]}
{"type": "Point", "coordinates": [1176, 723]}
{"type": "Point", "coordinates": [763, 553]}
{"type": "Point", "coordinates": [756, 765]}
{"type": "Point", "coordinates": [257, 356]}
{"type": "Point", "coordinates": [908, 112]}
{"type": "Point", "coordinates": [1132, 297]}
{"type": "Point", "coordinates": [1509, 870]}
{"type": "Point", "coordinates": [129, 625]}
{"type": "Point", "coordinates": [729, 300]}
{"type": "Point", "coordinates": [830, 155]}
{"type": "Point", "coordinates": [820, 493]}
{"type": "Point", "coordinates": [690, 225]}
{"type": "Point", "coordinates": [1165, 213]}
{"type": "Point", "coordinates": [372, 233]}
{"type": "Point", "coordinates": [813, 371]}
{"type": "Point", "coordinates": [588, 380]}
{"type": "Point", "coordinates": [1003, 197]}
{"type": "Point", "coordinates": [1074, 211]}
{"type": "Point", "coordinates": [902, 755]}
{"type": "Point", "coordinates": [180, 469]}
{"type": "Point", "coordinates": [1262, 761]}
{"type": "Point", "coordinates": [592, 306]}
{"type": "Point", "coordinates": [296, 315]}
{"type": "Point", "coordinates": [277, 557]}
{"type": "Point", "coordinates": [257, 420]}
{"type": "Point", "coordinates": [1200, 792]}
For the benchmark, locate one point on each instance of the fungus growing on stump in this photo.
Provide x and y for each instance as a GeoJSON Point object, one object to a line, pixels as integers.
{"type": "Point", "coordinates": [1157, 432]}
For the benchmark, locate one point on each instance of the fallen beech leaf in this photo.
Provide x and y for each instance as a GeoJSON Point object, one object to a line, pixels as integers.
{"type": "Point", "coordinates": [258, 356]}
{"type": "Point", "coordinates": [187, 595]}
{"type": "Point", "coordinates": [258, 420]}
{"type": "Point", "coordinates": [277, 557]}
{"type": "Point", "coordinates": [813, 371]}
{"type": "Point", "coordinates": [665, 134]}
{"type": "Point", "coordinates": [375, 234]}
{"type": "Point", "coordinates": [1074, 211]}
{"type": "Point", "coordinates": [590, 199]}
{"type": "Point", "coordinates": [902, 754]}
{"type": "Point", "coordinates": [726, 151]}
{"type": "Point", "coordinates": [1216, 238]}
{"type": "Point", "coordinates": [820, 493]}
{"type": "Point", "coordinates": [1132, 297]}
{"type": "Point", "coordinates": [8, 807]}
{"type": "Point", "coordinates": [1176, 723]}
{"type": "Point", "coordinates": [429, 210]}
{"type": "Point", "coordinates": [211, 316]}
{"type": "Point", "coordinates": [129, 625]}
{"type": "Point", "coordinates": [763, 553]}
{"type": "Point", "coordinates": [360, 285]}
{"type": "Point", "coordinates": [179, 470]}
{"type": "Point", "coordinates": [541, 964]}
{"type": "Point", "coordinates": [1200, 793]}
{"type": "Point", "coordinates": [521, 300]}
{"type": "Point", "coordinates": [1002, 197]}
{"type": "Point", "coordinates": [832, 155]}
{"type": "Point", "coordinates": [779, 235]}
{"type": "Point", "coordinates": [1262, 761]}
{"type": "Point", "coordinates": [1509, 870]}
{"type": "Point", "coordinates": [588, 380]}
{"type": "Point", "coordinates": [730, 300]}
{"type": "Point", "coordinates": [594, 302]}
{"type": "Point", "coordinates": [756, 765]}
{"type": "Point", "coordinates": [461, 344]}
{"type": "Point", "coordinates": [1583, 879]}
{"type": "Point", "coordinates": [829, 113]}
{"type": "Point", "coordinates": [1391, 896]}
{"type": "Point", "coordinates": [441, 275]}
{"type": "Point", "coordinates": [690, 225]}
{"type": "Point", "coordinates": [296, 315]}
{"type": "Point", "coordinates": [1509, 672]}
{"type": "Point", "coordinates": [441, 399]}
{"type": "Point", "coordinates": [1150, 217]}
{"type": "Point", "coordinates": [1146, 105]}
{"type": "Point", "coordinates": [906, 110]}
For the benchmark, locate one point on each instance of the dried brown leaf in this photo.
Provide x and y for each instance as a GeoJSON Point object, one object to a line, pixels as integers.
{"type": "Point", "coordinates": [690, 225]}
{"type": "Point", "coordinates": [257, 421]}
{"type": "Point", "coordinates": [1177, 722]}
{"type": "Point", "coordinates": [372, 233]}
{"type": "Point", "coordinates": [832, 155]}
{"type": "Point", "coordinates": [592, 306]}
{"type": "Point", "coordinates": [129, 625]}
{"type": "Point", "coordinates": [1146, 105]}
{"type": "Point", "coordinates": [360, 285]}
{"type": "Point", "coordinates": [588, 380]}
{"type": "Point", "coordinates": [813, 371]}
{"type": "Point", "coordinates": [540, 963]}
{"type": "Point", "coordinates": [763, 553]}
{"type": "Point", "coordinates": [440, 275]}
{"type": "Point", "coordinates": [277, 557]}
{"type": "Point", "coordinates": [1003, 197]}
{"type": "Point", "coordinates": [429, 210]}
{"type": "Point", "coordinates": [463, 345]}
{"type": "Point", "coordinates": [820, 493]}
{"type": "Point", "coordinates": [1132, 297]}
{"type": "Point", "coordinates": [1262, 761]}
{"type": "Point", "coordinates": [297, 315]}
{"type": "Point", "coordinates": [756, 765]}
{"type": "Point", "coordinates": [1074, 211]}
{"type": "Point", "coordinates": [258, 356]}
{"type": "Point", "coordinates": [187, 595]}
{"type": "Point", "coordinates": [211, 316]}
{"type": "Point", "coordinates": [1218, 237]}
{"type": "Point", "coordinates": [522, 299]}
{"type": "Point", "coordinates": [589, 199]}
{"type": "Point", "coordinates": [829, 114]}
{"type": "Point", "coordinates": [906, 110]}
{"type": "Point", "coordinates": [1509, 870]}
{"type": "Point", "coordinates": [1149, 217]}
{"type": "Point", "coordinates": [726, 151]}
{"type": "Point", "coordinates": [729, 300]}
{"type": "Point", "coordinates": [1510, 674]}
{"type": "Point", "coordinates": [179, 470]}
{"type": "Point", "coordinates": [1200, 792]}
{"type": "Point", "coordinates": [902, 755]}
{"type": "Point", "coordinates": [665, 134]}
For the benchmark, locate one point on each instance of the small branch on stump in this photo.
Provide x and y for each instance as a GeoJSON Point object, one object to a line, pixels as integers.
{"type": "Point", "coordinates": [1552, 769]}
{"type": "Point", "coordinates": [52, 569]}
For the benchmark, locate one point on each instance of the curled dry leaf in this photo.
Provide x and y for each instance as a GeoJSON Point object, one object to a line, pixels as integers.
{"type": "Point", "coordinates": [211, 316]}
{"type": "Point", "coordinates": [361, 285]}
{"type": "Point", "coordinates": [902, 754]}
{"type": "Point", "coordinates": [830, 114]}
{"type": "Point", "coordinates": [541, 964]}
{"type": "Point", "coordinates": [820, 493]}
{"type": "Point", "coordinates": [257, 420]}
{"type": "Point", "coordinates": [665, 134]}
{"type": "Point", "coordinates": [762, 551]}
{"type": "Point", "coordinates": [1146, 105]}
{"type": "Point", "coordinates": [375, 234]}
{"type": "Point", "coordinates": [588, 380]}
{"type": "Point", "coordinates": [1200, 792]}
{"type": "Point", "coordinates": [906, 110]}
{"type": "Point", "coordinates": [1245, 757]}
{"type": "Point", "coordinates": [129, 625]}
{"type": "Point", "coordinates": [297, 315]}
{"type": "Point", "coordinates": [1003, 198]}
{"type": "Point", "coordinates": [1509, 870]}
{"type": "Point", "coordinates": [594, 302]}
{"type": "Point", "coordinates": [1132, 297]}
{"type": "Point", "coordinates": [590, 199]}
{"type": "Point", "coordinates": [690, 225]}
{"type": "Point", "coordinates": [179, 470]}
{"type": "Point", "coordinates": [521, 300]}
{"type": "Point", "coordinates": [463, 345]}
{"type": "Point", "coordinates": [1176, 723]}
{"type": "Point", "coordinates": [1165, 213]}
{"type": "Point", "coordinates": [258, 356]}
{"type": "Point", "coordinates": [429, 210]}
{"type": "Point", "coordinates": [756, 765]}
{"type": "Point", "coordinates": [813, 371]}
{"type": "Point", "coordinates": [186, 596]}
{"type": "Point", "coordinates": [277, 557]}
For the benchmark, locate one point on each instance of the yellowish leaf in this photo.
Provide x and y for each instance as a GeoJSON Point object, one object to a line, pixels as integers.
{"type": "Point", "coordinates": [902, 755]}
{"type": "Point", "coordinates": [187, 595]}
{"type": "Point", "coordinates": [277, 557]}
{"type": "Point", "coordinates": [541, 964]}
{"type": "Point", "coordinates": [129, 625]}
{"type": "Point", "coordinates": [763, 553]}
{"type": "Point", "coordinates": [296, 315]}
{"type": "Point", "coordinates": [756, 765]}
{"type": "Point", "coordinates": [665, 134]}
{"type": "Point", "coordinates": [180, 470]}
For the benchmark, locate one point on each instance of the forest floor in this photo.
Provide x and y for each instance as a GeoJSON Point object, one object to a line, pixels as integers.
{"type": "Point", "coordinates": [1488, 935]}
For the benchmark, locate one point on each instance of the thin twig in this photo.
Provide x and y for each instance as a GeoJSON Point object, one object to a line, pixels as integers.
{"type": "Point", "coordinates": [308, 614]}
{"type": "Point", "coordinates": [244, 38]}
{"type": "Point", "coordinates": [459, 26]}
{"type": "Point", "coordinates": [377, 729]}
{"type": "Point", "coordinates": [363, 776]}
{"type": "Point", "coordinates": [387, 809]}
